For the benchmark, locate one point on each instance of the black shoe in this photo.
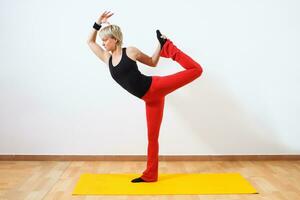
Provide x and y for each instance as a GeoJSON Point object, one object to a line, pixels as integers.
{"type": "Point", "coordinates": [137, 180]}
{"type": "Point", "coordinates": [161, 40]}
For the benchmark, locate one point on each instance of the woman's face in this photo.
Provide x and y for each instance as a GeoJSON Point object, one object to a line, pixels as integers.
{"type": "Point", "coordinates": [109, 43]}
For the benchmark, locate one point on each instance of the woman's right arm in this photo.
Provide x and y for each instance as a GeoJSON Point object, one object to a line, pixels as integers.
{"type": "Point", "coordinates": [98, 51]}
{"type": "Point", "coordinates": [96, 48]}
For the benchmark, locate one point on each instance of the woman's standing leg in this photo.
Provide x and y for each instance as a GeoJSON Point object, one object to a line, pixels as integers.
{"type": "Point", "coordinates": [154, 114]}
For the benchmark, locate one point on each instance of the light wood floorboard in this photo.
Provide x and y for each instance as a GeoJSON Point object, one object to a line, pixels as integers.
{"type": "Point", "coordinates": [35, 180]}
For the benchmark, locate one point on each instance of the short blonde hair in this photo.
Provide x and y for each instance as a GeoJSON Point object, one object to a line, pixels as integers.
{"type": "Point", "coordinates": [113, 31]}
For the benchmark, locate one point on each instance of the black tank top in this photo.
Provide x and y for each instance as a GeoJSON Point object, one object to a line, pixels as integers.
{"type": "Point", "coordinates": [127, 75]}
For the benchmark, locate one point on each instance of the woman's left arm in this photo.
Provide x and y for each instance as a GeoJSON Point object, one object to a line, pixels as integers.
{"type": "Point", "coordinates": [145, 59]}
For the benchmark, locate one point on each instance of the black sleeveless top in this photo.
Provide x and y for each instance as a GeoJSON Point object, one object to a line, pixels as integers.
{"type": "Point", "coordinates": [127, 75]}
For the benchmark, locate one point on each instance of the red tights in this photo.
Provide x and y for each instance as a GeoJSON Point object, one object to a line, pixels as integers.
{"type": "Point", "coordinates": [155, 98]}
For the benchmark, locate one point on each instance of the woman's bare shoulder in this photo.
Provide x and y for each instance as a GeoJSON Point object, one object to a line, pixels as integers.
{"type": "Point", "coordinates": [132, 52]}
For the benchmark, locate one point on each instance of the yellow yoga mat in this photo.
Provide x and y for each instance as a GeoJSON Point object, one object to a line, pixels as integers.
{"type": "Point", "coordinates": [120, 184]}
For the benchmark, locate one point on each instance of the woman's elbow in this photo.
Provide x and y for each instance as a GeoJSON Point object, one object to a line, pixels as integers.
{"type": "Point", "coordinates": [154, 65]}
{"type": "Point", "coordinates": [90, 42]}
{"type": "Point", "coordinates": [153, 62]}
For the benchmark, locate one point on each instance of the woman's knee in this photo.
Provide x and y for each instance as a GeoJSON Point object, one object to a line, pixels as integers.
{"type": "Point", "coordinates": [198, 70]}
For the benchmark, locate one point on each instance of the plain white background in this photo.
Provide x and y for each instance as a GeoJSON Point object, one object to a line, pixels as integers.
{"type": "Point", "coordinates": [56, 97]}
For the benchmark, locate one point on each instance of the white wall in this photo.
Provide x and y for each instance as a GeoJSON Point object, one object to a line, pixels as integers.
{"type": "Point", "coordinates": [56, 97]}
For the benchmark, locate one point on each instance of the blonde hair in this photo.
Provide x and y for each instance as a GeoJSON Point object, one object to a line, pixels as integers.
{"type": "Point", "coordinates": [113, 31]}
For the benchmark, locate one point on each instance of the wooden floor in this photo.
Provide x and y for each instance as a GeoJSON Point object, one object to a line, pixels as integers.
{"type": "Point", "coordinates": [30, 180]}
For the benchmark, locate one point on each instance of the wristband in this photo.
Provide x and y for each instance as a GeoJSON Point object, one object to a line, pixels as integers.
{"type": "Point", "coordinates": [97, 26]}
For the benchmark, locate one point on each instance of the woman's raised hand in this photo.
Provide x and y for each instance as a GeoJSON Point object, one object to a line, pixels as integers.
{"type": "Point", "coordinates": [104, 16]}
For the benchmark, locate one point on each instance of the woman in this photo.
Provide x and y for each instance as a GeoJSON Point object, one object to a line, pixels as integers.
{"type": "Point", "coordinates": [152, 90]}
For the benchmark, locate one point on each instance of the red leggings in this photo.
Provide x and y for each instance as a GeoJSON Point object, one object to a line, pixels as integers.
{"type": "Point", "coordinates": [155, 98]}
